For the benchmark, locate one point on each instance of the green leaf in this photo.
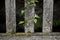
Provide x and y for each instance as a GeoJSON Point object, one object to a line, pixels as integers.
{"type": "Point", "coordinates": [36, 0]}
{"type": "Point", "coordinates": [28, 3]}
{"type": "Point", "coordinates": [22, 11]}
{"type": "Point", "coordinates": [31, 1]}
{"type": "Point", "coordinates": [35, 20]}
{"type": "Point", "coordinates": [26, 19]}
{"type": "Point", "coordinates": [21, 22]}
{"type": "Point", "coordinates": [36, 16]}
{"type": "Point", "coordinates": [34, 4]}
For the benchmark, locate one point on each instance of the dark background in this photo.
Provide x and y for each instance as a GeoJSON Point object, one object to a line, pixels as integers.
{"type": "Point", "coordinates": [2, 17]}
{"type": "Point", "coordinates": [56, 16]}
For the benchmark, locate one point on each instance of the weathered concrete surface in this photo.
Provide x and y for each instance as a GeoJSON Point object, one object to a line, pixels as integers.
{"type": "Point", "coordinates": [29, 15]}
{"type": "Point", "coordinates": [10, 16]}
{"type": "Point", "coordinates": [47, 15]}
{"type": "Point", "coordinates": [30, 38]}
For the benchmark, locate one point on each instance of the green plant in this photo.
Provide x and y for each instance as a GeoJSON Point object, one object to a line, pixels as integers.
{"type": "Point", "coordinates": [26, 6]}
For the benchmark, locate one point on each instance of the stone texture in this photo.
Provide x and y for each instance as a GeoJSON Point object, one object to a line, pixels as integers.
{"type": "Point", "coordinates": [29, 12]}
{"type": "Point", "coordinates": [29, 15]}
{"type": "Point", "coordinates": [10, 16]}
{"type": "Point", "coordinates": [30, 38]}
{"type": "Point", "coordinates": [47, 15]}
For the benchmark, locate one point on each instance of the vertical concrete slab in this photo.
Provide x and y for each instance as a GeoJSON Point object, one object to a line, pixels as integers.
{"type": "Point", "coordinates": [10, 16]}
{"type": "Point", "coordinates": [29, 16]}
{"type": "Point", "coordinates": [47, 15]}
